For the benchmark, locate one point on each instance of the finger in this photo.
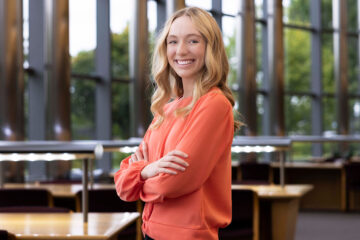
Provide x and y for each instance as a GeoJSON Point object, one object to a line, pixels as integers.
{"type": "Point", "coordinates": [165, 170]}
{"type": "Point", "coordinates": [178, 153]}
{"type": "Point", "coordinates": [145, 152]}
{"type": "Point", "coordinates": [131, 160]}
{"type": "Point", "coordinates": [138, 155]}
{"type": "Point", "coordinates": [172, 165]}
{"type": "Point", "coordinates": [177, 160]}
{"type": "Point", "coordinates": [134, 157]}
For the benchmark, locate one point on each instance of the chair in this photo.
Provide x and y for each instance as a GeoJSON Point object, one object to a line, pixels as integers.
{"type": "Point", "coordinates": [25, 197]}
{"type": "Point", "coordinates": [5, 235]}
{"type": "Point", "coordinates": [107, 200]}
{"type": "Point", "coordinates": [33, 209]}
{"type": "Point", "coordinates": [241, 226]}
{"type": "Point", "coordinates": [254, 173]}
{"type": "Point", "coordinates": [352, 172]}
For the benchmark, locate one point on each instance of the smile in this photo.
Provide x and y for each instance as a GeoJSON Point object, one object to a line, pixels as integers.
{"type": "Point", "coordinates": [184, 62]}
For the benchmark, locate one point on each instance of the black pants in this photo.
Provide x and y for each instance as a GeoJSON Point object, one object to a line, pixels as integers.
{"type": "Point", "coordinates": [148, 238]}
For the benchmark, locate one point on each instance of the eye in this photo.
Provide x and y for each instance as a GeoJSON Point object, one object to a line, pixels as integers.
{"type": "Point", "coordinates": [172, 42]}
{"type": "Point", "coordinates": [194, 41]}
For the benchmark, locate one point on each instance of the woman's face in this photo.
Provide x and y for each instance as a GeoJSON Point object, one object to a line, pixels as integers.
{"type": "Point", "coordinates": [185, 49]}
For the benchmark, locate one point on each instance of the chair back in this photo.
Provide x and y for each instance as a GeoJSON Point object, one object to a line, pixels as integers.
{"type": "Point", "coordinates": [352, 170]}
{"type": "Point", "coordinates": [105, 200]}
{"type": "Point", "coordinates": [25, 197]}
{"type": "Point", "coordinates": [241, 226]}
{"type": "Point", "coordinates": [5, 235]}
{"type": "Point", "coordinates": [255, 173]}
{"type": "Point", "coordinates": [34, 209]}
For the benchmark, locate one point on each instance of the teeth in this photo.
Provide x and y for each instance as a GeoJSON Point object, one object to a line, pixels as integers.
{"type": "Point", "coordinates": [183, 62]}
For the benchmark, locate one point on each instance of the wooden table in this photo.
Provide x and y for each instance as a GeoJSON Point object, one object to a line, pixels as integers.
{"type": "Point", "coordinates": [59, 190]}
{"type": "Point", "coordinates": [284, 207]}
{"type": "Point", "coordinates": [66, 225]}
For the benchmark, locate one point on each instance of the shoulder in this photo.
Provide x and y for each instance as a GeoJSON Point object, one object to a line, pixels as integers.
{"type": "Point", "coordinates": [215, 100]}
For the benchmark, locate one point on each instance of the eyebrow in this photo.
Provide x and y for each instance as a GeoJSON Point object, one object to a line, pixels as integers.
{"type": "Point", "coordinates": [188, 35]}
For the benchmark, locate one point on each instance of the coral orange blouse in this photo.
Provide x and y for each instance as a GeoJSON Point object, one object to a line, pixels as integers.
{"type": "Point", "coordinates": [195, 203]}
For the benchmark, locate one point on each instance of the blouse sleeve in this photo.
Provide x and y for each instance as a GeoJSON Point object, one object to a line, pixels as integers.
{"type": "Point", "coordinates": [206, 140]}
{"type": "Point", "coordinates": [127, 179]}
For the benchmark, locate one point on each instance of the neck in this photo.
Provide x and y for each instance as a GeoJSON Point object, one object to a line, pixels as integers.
{"type": "Point", "coordinates": [188, 86]}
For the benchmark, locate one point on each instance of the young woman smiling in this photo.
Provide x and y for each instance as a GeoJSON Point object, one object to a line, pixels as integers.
{"type": "Point", "coordinates": [182, 169]}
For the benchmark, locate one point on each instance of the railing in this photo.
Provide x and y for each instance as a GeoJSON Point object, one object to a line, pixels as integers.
{"type": "Point", "coordinates": [51, 151]}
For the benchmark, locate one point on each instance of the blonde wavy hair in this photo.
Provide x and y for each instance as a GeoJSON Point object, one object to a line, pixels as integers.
{"type": "Point", "coordinates": [214, 73]}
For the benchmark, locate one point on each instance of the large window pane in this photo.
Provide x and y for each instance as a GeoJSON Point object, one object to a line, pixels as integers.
{"type": "Point", "coordinates": [353, 54]}
{"type": "Point", "coordinates": [82, 109]}
{"type": "Point", "coordinates": [352, 15]}
{"type": "Point", "coordinates": [120, 54]}
{"type": "Point", "coordinates": [330, 123]}
{"type": "Point", "coordinates": [82, 29]}
{"type": "Point", "coordinates": [326, 13]}
{"type": "Point", "coordinates": [152, 18]}
{"type": "Point", "coordinates": [26, 31]}
{"type": "Point", "coordinates": [120, 111]}
{"type": "Point", "coordinates": [354, 108]}
{"type": "Point", "coordinates": [298, 115]}
{"type": "Point", "coordinates": [259, 13]}
{"type": "Point", "coordinates": [328, 79]}
{"type": "Point", "coordinates": [296, 12]}
{"type": "Point", "coordinates": [260, 113]}
{"type": "Point", "coordinates": [301, 151]}
{"type": "Point", "coordinates": [230, 7]}
{"type": "Point", "coordinates": [228, 26]}
{"type": "Point", "coordinates": [204, 4]}
{"type": "Point", "coordinates": [259, 58]}
{"type": "Point", "coordinates": [297, 60]}
{"type": "Point", "coordinates": [120, 13]}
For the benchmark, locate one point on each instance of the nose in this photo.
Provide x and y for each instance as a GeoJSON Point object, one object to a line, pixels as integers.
{"type": "Point", "coordinates": [182, 48]}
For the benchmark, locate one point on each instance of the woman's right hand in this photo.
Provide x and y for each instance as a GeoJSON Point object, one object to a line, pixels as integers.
{"type": "Point", "coordinates": [167, 164]}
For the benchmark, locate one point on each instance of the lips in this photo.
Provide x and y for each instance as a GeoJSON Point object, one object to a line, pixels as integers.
{"type": "Point", "coordinates": [184, 62]}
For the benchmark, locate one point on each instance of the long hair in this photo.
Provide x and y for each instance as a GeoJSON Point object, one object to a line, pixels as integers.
{"type": "Point", "coordinates": [214, 73]}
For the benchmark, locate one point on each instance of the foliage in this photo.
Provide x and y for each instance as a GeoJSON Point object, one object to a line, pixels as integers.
{"type": "Point", "coordinates": [83, 98]}
{"type": "Point", "coordinates": [83, 91]}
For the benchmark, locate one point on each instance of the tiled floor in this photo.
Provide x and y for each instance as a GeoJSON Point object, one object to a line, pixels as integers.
{"type": "Point", "coordinates": [328, 226]}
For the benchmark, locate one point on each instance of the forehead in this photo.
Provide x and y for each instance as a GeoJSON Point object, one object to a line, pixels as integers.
{"type": "Point", "coordinates": [183, 26]}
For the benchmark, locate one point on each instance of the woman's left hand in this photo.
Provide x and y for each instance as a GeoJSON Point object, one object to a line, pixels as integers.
{"type": "Point", "coordinates": [140, 155]}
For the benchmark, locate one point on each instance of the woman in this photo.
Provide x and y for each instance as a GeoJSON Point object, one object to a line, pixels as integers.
{"type": "Point", "coordinates": [182, 169]}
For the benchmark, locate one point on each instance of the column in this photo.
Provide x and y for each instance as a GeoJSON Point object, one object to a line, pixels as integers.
{"type": "Point", "coordinates": [57, 78]}
{"type": "Point", "coordinates": [246, 67]}
{"type": "Point", "coordinates": [275, 50]}
{"type": "Point", "coordinates": [11, 82]}
{"type": "Point", "coordinates": [341, 65]}
{"type": "Point", "coordinates": [139, 69]}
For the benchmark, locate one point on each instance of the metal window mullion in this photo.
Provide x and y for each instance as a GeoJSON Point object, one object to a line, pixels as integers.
{"type": "Point", "coordinates": [217, 9]}
{"type": "Point", "coordinates": [266, 85]}
{"type": "Point", "coordinates": [161, 14]}
{"type": "Point", "coordinates": [36, 85]}
{"type": "Point", "coordinates": [103, 71]}
{"type": "Point", "coordinates": [316, 76]}
{"type": "Point", "coordinates": [358, 36]}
